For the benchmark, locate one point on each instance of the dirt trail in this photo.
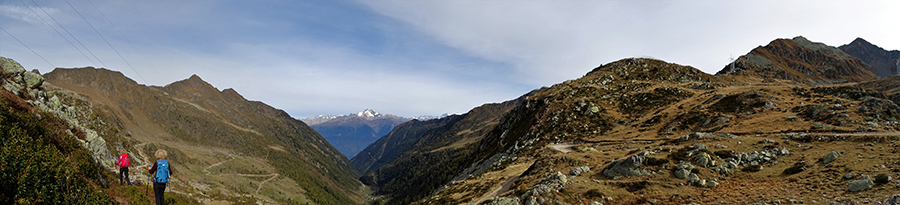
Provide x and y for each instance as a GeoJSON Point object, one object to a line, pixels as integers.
{"type": "Point", "coordinates": [271, 176]}
{"type": "Point", "coordinates": [565, 148]}
{"type": "Point", "coordinates": [502, 189]}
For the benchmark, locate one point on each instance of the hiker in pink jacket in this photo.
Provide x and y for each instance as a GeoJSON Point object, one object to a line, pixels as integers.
{"type": "Point", "coordinates": [123, 163]}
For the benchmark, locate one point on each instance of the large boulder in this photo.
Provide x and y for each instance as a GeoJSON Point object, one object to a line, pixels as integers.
{"type": "Point", "coordinates": [32, 79]}
{"type": "Point", "coordinates": [11, 67]}
{"type": "Point", "coordinates": [627, 166]}
{"type": "Point", "coordinates": [830, 157]}
{"type": "Point", "coordinates": [862, 184]}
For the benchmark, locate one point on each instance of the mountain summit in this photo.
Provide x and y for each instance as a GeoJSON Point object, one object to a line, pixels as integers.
{"type": "Point", "coordinates": [880, 61]}
{"type": "Point", "coordinates": [799, 60]}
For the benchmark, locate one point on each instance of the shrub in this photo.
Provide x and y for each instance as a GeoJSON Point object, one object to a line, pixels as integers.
{"type": "Point", "coordinates": [882, 179]}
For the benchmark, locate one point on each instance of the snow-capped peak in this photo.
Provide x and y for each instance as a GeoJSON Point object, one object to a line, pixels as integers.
{"type": "Point", "coordinates": [368, 113]}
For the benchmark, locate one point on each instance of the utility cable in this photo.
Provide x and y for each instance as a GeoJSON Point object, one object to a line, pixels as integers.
{"type": "Point", "coordinates": [29, 48]}
{"type": "Point", "coordinates": [70, 33]}
{"type": "Point", "coordinates": [123, 36]}
{"type": "Point", "coordinates": [107, 42]}
{"type": "Point", "coordinates": [57, 31]}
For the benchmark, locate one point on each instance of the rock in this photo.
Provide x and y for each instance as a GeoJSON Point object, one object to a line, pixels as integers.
{"type": "Point", "coordinates": [595, 109]}
{"type": "Point", "coordinates": [627, 166]}
{"type": "Point", "coordinates": [863, 108]}
{"type": "Point", "coordinates": [579, 170]}
{"type": "Point", "coordinates": [693, 177]}
{"type": "Point", "coordinates": [703, 160]}
{"type": "Point", "coordinates": [33, 80]}
{"type": "Point", "coordinates": [11, 67]}
{"type": "Point", "coordinates": [712, 183]}
{"type": "Point", "coordinates": [596, 203]}
{"type": "Point", "coordinates": [791, 118]}
{"type": "Point", "coordinates": [830, 157]}
{"type": "Point", "coordinates": [892, 200]}
{"type": "Point", "coordinates": [850, 176]}
{"type": "Point", "coordinates": [12, 87]}
{"type": "Point", "coordinates": [865, 183]}
{"type": "Point", "coordinates": [682, 173]}
{"type": "Point", "coordinates": [769, 104]}
{"type": "Point", "coordinates": [503, 201]}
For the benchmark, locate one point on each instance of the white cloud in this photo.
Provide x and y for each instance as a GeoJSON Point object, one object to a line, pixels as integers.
{"type": "Point", "coordinates": [550, 41]}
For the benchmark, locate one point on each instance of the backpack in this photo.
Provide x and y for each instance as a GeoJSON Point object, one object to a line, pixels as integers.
{"type": "Point", "coordinates": [123, 160]}
{"type": "Point", "coordinates": [162, 171]}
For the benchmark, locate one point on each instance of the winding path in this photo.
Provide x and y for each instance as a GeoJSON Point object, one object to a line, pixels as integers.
{"type": "Point", "coordinates": [502, 189]}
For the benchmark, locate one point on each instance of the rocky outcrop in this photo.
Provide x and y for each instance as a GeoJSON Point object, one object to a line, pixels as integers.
{"type": "Point", "coordinates": [27, 84]}
{"type": "Point", "coordinates": [627, 167]}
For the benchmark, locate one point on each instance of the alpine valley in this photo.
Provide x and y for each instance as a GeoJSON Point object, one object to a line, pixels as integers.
{"type": "Point", "coordinates": [791, 122]}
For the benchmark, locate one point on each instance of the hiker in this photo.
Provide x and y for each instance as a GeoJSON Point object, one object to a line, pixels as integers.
{"type": "Point", "coordinates": [123, 163]}
{"type": "Point", "coordinates": [162, 172]}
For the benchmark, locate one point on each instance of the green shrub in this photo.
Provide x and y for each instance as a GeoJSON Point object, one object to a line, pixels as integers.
{"type": "Point", "coordinates": [882, 179]}
{"type": "Point", "coordinates": [656, 161]}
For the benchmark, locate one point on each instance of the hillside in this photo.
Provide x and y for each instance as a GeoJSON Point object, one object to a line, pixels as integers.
{"type": "Point", "coordinates": [881, 62]}
{"type": "Point", "coordinates": [799, 60]}
{"type": "Point", "coordinates": [426, 154]}
{"type": "Point", "coordinates": [224, 147]}
{"type": "Point", "coordinates": [793, 122]}
{"type": "Point", "coordinates": [351, 133]}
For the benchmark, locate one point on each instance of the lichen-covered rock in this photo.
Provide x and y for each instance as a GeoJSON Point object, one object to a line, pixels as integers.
{"type": "Point", "coordinates": [32, 80]}
{"type": "Point", "coordinates": [12, 87]}
{"type": "Point", "coordinates": [865, 183]}
{"type": "Point", "coordinates": [627, 166]}
{"type": "Point", "coordinates": [830, 157]}
{"type": "Point", "coordinates": [11, 67]}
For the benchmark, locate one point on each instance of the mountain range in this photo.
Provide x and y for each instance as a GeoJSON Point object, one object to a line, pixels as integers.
{"type": "Point", "coordinates": [351, 133]}
{"type": "Point", "coordinates": [794, 121]}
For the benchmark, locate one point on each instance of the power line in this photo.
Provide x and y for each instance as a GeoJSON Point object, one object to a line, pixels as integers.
{"type": "Point", "coordinates": [57, 31]}
{"type": "Point", "coordinates": [70, 33]}
{"type": "Point", "coordinates": [123, 36]}
{"type": "Point", "coordinates": [107, 42]}
{"type": "Point", "coordinates": [26, 46]}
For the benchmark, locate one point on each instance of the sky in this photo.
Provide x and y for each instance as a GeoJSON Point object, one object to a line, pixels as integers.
{"type": "Point", "coordinates": [410, 58]}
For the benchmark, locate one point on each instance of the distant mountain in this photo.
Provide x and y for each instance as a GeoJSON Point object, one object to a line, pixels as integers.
{"type": "Point", "coordinates": [881, 62]}
{"type": "Point", "coordinates": [427, 154]}
{"type": "Point", "coordinates": [799, 60]}
{"type": "Point", "coordinates": [352, 132]}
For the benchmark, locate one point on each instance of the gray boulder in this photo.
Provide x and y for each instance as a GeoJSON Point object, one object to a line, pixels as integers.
{"type": "Point", "coordinates": [579, 170]}
{"type": "Point", "coordinates": [682, 173]}
{"type": "Point", "coordinates": [32, 80]}
{"type": "Point", "coordinates": [627, 166]}
{"type": "Point", "coordinates": [830, 157]}
{"type": "Point", "coordinates": [865, 183]}
{"type": "Point", "coordinates": [703, 160]}
{"type": "Point", "coordinates": [11, 67]}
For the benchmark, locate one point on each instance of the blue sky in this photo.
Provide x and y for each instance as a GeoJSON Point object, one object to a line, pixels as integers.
{"type": "Point", "coordinates": [413, 57]}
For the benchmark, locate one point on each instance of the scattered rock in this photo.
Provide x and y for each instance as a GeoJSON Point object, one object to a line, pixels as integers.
{"type": "Point", "coordinates": [792, 118]}
{"type": "Point", "coordinates": [864, 183]}
{"type": "Point", "coordinates": [579, 170]}
{"type": "Point", "coordinates": [830, 157]}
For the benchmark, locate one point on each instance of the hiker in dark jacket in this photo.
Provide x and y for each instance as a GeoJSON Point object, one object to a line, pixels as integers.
{"type": "Point", "coordinates": [162, 172]}
{"type": "Point", "coordinates": [123, 163]}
